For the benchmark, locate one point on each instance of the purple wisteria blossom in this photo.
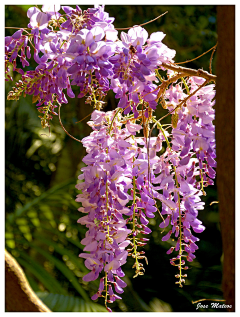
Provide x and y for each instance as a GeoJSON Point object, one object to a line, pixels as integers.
{"type": "Point", "coordinates": [134, 69]}
{"type": "Point", "coordinates": [75, 55]}
{"type": "Point", "coordinates": [132, 173]}
{"type": "Point", "coordinates": [192, 154]}
{"type": "Point", "coordinates": [115, 191]}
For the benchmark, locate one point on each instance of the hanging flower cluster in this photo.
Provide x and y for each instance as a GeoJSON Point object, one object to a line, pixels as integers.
{"type": "Point", "coordinates": [129, 175]}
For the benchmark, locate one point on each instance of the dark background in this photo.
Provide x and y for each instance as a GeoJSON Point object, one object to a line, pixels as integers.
{"type": "Point", "coordinates": [41, 172]}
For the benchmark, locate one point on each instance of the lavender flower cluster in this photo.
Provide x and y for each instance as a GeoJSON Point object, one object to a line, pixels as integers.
{"type": "Point", "coordinates": [129, 176]}
{"type": "Point", "coordinates": [82, 49]}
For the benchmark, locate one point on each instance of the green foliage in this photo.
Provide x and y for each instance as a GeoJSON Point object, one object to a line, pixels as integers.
{"type": "Point", "coordinates": [63, 303]}
{"type": "Point", "coordinates": [42, 239]}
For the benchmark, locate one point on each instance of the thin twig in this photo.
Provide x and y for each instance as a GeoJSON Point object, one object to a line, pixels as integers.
{"type": "Point", "coordinates": [32, 45]}
{"type": "Point", "coordinates": [84, 118]}
{"type": "Point", "coordinates": [214, 300]}
{"type": "Point", "coordinates": [13, 27]}
{"type": "Point", "coordinates": [210, 65]}
{"type": "Point", "coordinates": [59, 117]}
{"type": "Point", "coordinates": [143, 23]}
{"type": "Point", "coordinates": [197, 56]}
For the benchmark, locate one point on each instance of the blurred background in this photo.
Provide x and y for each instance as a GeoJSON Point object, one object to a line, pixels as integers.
{"type": "Point", "coordinates": [42, 233]}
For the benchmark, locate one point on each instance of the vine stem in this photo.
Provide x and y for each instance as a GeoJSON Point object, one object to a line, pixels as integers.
{"type": "Point", "coordinates": [107, 205]}
{"type": "Point", "coordinates": [106, 289]}
{"type": "Point", "coordinates": [84, 118]}
{"type": "Point", "coordinates": [210, 64]}
{"type": "Point", "coordinates": [134, 241]}
{"type": "Point", "coordinates": [213, 48]}
{"type": "Point", "coordinates": [204, 299]}
{"type": "Point", "coordinates": [60, 121]}
{"type": "Point", "coordinates": [201, 174]}
{"type": "Point", "coordinates": [182, 71]}
{"type": "Point", "coordinates": [190, 71]}
{"type": "Point", "coordinates": [180, 231]}
{"type": "Point", "coordinates": [185, 85]}
{"type": "Point", "coordinates": [13, 27]}
{"type": "Point", "coordinates": [106, 293]}
{"type": "Point", "coordinates": [118, 110]}
{"type": "Point", "coordinates": [143, 23]}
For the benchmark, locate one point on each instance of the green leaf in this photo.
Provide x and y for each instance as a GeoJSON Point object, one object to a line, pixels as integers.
{"type": "Point", "coordinates": [63, 236]}
{"type": "Point", "coordinates": [63, 303]}
{"type": "Point", "coordinates": [51, 284]}
{"type": "Point", "coordinates": [63, 251]}
{"type": "Point", "coordinates": [10, 243]}
{"type": "Point", "coordinates": [19, 212]}
{"type": "Point", "coordinates": [63, 268]}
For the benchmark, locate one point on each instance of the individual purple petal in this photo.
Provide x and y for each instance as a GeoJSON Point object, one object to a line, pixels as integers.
{"type": "Point", "coordinates": [17, 35]}
{"type": "Point", "coordinates": [145, 70]}
{"type": "Point", "coordinates": [198, 229]}
{"type": "Point", "coordinates": [149, 214]}
{"type": "Point", "coordinates": [143, 219]}
{"type": "Point", "coordinates": [132, 127]}
{"type": "Point", "coordinates": [70, 92]}
{"type": "Point", "coordinates": [146, 230]}
{"type": "Point", "coordinates": [91, 247]}
{"type": "Point", "coordinates": [120, 282]}
{"type": "Point", "coordinates": [186, 232]}
{"type": "Point", "coordinates": [113, 265]}
{"type": "Point", "coordinates": [122, 195]}
{"type": "Point", "coordinates": [39, 20]}
{"type": "Point", "coordinates": [73, 69]}
{"type": "Point", "coordinates": [167, 236]}
{"type": "Point", "coordinates": [184, 151]}
{"type": "Point", "coordinates": [95, 296]}
{"type": "Point", "coordinates": [92, 276]}
{"type": "Point", "coordinates": [110, 290]}
{"type": "Point", "coordinates": [118, 289]}
{"type": "Point", "coordinates": [101, 285]}
{"type": "Point", "coordinates": [32, 11]}
{"type": "Point", "coordinates": [170, 250]}
{"type": "Point", "coordinates": [150, 97]}
{"type": "Point", "coordinates": [165, 223]}
{"type": "Point", "coordinates": [185, 160]}
{"type": "Point", "coordinates": [122, 102]}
